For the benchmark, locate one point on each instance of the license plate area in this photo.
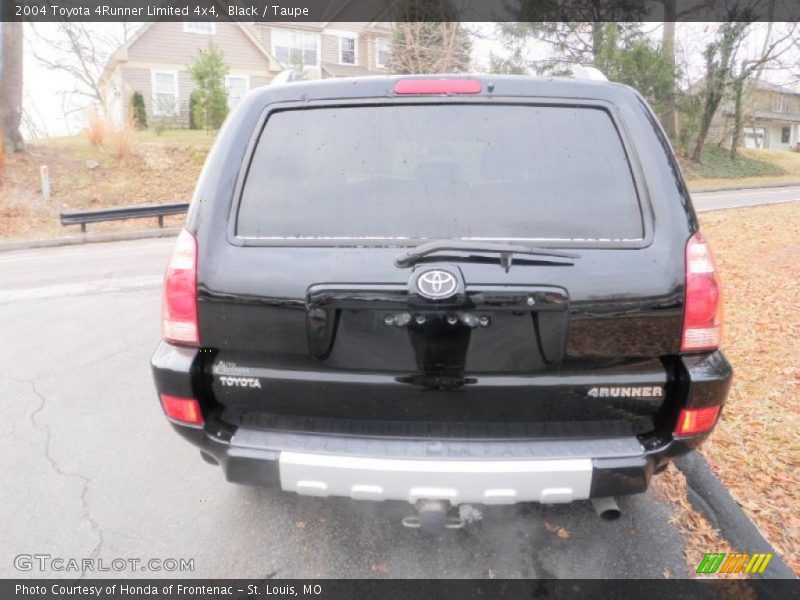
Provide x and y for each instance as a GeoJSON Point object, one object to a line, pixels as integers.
{"type": "Point", "coordinates": [488, 328]}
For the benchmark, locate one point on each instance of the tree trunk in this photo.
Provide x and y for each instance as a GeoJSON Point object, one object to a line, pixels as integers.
{"type": "Point", "coordinates": [705, 125]}
{"type": "Point", "coordinates": [11, 86]}
{"type": "Point", "coordinates": [709, 107]}
{"type": "Point", "coordinates": [738, 93]}
{"type": "Point", "coordinates": [668, 49]}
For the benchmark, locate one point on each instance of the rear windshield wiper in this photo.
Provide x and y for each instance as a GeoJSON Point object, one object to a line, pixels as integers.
{"type": "Point", "coordinates": [506, 252]}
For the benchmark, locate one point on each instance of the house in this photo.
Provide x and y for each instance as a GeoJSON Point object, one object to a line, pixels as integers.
{"type": "Point", "coordinates": [771, 118]}
{"type": "Point", "coordinates": [157, 59]}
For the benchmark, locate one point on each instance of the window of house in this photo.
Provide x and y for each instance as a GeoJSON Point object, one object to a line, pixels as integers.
{"type": "Point", "coordinates": [292, 48]}
{"type": "Point", "coordinates": [197, 27]}
{"type": "Point", "coordinates": [779, 103]}
{"type": "Point", "coordinates": [165, 93]}
{"type": "Point", "coordinates": [382, 53]}
{"type": "Point", "coordinates": [347, 50]}
{"type": "Point", "coordinates": [786, 133]}
{"type": "Point", "coordinates": [236, 86]}
{"type": "Point", "coordinates": [754, 137]}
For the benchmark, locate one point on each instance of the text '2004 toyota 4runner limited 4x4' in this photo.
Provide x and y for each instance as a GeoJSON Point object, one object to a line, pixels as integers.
{"type": "Point", "coordinates": [442, 290]}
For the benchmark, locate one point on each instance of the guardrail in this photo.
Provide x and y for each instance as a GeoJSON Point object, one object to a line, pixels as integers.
{"type": "Point", "coordinates": [138, 211]}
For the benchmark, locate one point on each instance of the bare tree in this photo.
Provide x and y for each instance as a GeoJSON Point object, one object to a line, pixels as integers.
{"type": "Point", "coordinates": [81, 51]}
{"type": "Point", "coordinates": [428, 39]}
{"type": "Point", "coordinates": [429, 48]}
{"type": "Point", "coordinates": [772, 50]}
{"type": "Point", "coordinates": [11, 86]}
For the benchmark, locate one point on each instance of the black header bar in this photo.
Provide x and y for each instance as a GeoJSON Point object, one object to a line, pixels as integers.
{"type": "Point", "coordinates": [325, 11]}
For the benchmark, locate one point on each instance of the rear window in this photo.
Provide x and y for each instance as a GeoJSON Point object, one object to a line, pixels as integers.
{"type": "Point", "coordinates": [440, 171]}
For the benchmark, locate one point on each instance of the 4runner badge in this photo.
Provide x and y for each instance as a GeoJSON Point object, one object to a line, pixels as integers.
{"type": "Point", "coordinates": [436, 284]}
{"type": "Point", "coordinates": [625, 392]}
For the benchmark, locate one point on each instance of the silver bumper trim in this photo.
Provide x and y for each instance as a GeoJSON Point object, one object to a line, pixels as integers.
{"type": "Point", "coordinates": [457, 481]}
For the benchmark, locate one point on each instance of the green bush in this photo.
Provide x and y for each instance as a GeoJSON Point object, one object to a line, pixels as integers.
{"type": "Point", "coordinates": [138, 112]}
{"type": "Point", "coordinates": [193, 124]}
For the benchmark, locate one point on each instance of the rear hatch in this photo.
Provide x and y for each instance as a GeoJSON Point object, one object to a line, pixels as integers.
{"type": "Point", "coordinates": [429, 268]}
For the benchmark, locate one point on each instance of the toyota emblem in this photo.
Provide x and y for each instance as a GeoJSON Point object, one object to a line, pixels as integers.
{"type": "Point", "coordinates": [436, 284]}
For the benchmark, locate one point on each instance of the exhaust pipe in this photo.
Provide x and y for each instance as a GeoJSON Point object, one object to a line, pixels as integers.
{"type": "Point", "coordinates": [607, 508]}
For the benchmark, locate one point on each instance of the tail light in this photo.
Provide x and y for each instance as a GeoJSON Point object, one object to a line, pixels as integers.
{"type": "Point", "coordinates": [696, 420]}
{"type": "Point", "coordinates": [179, 310]}
{"type": "Point", "coordinates": [438, 86]}
{"type": "Point", "coordinates": [702, 317]}
{"type": "Point", "coordinates": [185, 410]}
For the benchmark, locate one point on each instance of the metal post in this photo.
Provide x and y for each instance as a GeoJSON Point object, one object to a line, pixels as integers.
{"type": "Point", "coordinates": [45, 178]}
{"type": "Point", "coordinates": [161, 221]}
{"type": "Point", "coordinates": [83, 227]}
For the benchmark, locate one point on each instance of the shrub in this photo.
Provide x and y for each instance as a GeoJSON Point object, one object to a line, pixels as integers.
{"type": "Point", "coordinates": [122, 139]}
{"type": "Point", "coordinates": [138, 112]}
{"type": "Point", "coordinates": [96, 128]}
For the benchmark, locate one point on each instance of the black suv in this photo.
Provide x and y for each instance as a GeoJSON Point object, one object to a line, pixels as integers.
{"type": "Point", "coordinates": [442, 290]}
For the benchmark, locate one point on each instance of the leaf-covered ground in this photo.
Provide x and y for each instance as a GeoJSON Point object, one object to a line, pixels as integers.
{"type": "Point", "coordinates": [755, 449]}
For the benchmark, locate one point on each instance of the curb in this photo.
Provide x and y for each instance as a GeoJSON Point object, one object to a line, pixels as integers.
{"type": "Point", "coordinates": [708, 495]}
{"type": "Point", "coordinates": [748, 186]}
{"type": "Point", "coordinates": [91, 238]}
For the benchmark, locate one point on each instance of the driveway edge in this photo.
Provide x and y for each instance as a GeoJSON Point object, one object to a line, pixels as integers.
{"type": "Point", "coordinates": [708, 495]}
{"type": "Point", "coordinates": [90, 238]}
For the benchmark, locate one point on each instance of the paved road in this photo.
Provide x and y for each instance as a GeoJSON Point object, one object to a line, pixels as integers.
{"type": "Point", "coordinates": [91, 469]}
{"type": "Point", "coordinates": [704, 201]}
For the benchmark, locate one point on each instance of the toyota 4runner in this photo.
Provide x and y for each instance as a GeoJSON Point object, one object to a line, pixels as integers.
{"type": "Point", "coordinates": [442, 290]}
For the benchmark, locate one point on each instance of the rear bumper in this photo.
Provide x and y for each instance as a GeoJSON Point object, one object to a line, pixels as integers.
{"type": "Point", "coordinates": [459, 471]}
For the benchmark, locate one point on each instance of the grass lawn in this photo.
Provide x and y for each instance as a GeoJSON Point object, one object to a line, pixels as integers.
{"type": "Point", "coordinates": [751, 167]}
{"type": "Point", "coordinates": [170, 137]}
